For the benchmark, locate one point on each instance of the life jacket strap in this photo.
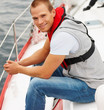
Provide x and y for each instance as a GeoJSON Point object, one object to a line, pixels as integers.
{"type": "Point", "coordinates": [64, 65]}
{"type": "Point", "coordinates": [81, 58]}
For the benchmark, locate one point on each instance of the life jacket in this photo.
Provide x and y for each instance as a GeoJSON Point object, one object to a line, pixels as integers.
{"type": "Point", "coordinates": [59, 18]}
{"type": "Point", "coordinates": [60, 14]}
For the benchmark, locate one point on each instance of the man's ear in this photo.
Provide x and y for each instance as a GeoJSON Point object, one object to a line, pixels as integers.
{"type": "Point", "coordinates": [53, 12]}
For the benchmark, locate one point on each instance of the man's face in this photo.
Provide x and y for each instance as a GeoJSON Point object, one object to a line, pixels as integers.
{"type": "Point", "coordinates": [42, 17]}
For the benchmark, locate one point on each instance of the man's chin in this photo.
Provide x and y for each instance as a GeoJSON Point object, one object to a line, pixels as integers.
{"type": "Point", "coordinates": [43, 30]}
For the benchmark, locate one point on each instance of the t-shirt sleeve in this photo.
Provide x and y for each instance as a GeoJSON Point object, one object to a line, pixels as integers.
{"type": "Point", "coordinates": [63, 43]}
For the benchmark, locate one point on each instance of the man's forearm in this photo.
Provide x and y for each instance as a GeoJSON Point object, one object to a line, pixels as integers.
{"type": "Point", "coordinates": [36, 71]}
{"type": "Point", "coordinates": [38, 57]}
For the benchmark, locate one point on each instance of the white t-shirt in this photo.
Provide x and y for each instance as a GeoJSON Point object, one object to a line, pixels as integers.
{"type": "Point", "coordinates": [63, 43]}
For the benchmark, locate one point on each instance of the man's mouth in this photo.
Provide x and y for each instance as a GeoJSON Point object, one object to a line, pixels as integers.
{"type": "Point", "coordinates": [43, 26]}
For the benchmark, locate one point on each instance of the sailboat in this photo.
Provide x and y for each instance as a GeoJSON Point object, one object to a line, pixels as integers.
{"type": "Point", "coordinates": [14, 91]}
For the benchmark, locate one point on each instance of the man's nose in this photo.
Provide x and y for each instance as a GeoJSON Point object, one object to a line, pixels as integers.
{"type": "Point", "coordinates": [40, 21]}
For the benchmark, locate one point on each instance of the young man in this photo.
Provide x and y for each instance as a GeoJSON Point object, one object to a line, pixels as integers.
{"type": "Point", "coordinates": [69, 45]}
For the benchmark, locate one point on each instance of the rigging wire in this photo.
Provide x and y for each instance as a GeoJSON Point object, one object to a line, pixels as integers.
{"type": "Point", "coordinates": [13, 24]}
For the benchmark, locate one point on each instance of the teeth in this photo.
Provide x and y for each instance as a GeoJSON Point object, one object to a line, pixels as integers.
{"type": "Point", "coordinates": [42, 26]}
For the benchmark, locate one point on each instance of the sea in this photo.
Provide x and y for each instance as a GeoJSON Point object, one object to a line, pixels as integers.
{"type": "Point", "coordinates": [9, 11]}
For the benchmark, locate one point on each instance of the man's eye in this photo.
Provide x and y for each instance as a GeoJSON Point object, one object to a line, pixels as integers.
{"type": "Point", "coordinates": [43, 16]}
{"type": "Point", "coordinates": [35, 18]}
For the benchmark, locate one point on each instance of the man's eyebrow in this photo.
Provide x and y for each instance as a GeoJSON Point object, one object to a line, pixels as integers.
{"type": "Point", "coordinates": [34, 17]}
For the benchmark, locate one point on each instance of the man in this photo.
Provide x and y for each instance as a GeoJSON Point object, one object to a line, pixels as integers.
{"type": "Point", "coordinates": [91, 4]}
{"type": "Point", "coordinates": [69, 45]}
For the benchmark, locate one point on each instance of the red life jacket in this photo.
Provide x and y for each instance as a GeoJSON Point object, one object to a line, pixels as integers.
{"type": "Point", "coordinates": [60, 14]}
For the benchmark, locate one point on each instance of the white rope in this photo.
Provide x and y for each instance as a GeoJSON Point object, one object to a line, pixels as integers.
{"type": "Point", "coordinates": [22, 13]}
{"type": "Point", "coordinates": [1, 76]}
{"type": "Point", "coordinates": [13, 24]}
{"type": "Point", "coordinates": [24, 31]}
{"type": "Point", "coordinates": [6, 35]}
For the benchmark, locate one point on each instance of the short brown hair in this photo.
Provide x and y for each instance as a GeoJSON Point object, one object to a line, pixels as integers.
{"type": "Point", "coordinates": [46, 2]}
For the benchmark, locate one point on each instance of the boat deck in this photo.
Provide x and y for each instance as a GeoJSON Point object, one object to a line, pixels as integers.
{"type": "Point", "coordinates": [15, 95]}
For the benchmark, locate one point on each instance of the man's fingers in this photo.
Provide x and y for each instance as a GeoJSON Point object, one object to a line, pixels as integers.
{"type": "Point", "coordinates": [10, 61]}
{"type": "Point", "coordinates": [5, 65]}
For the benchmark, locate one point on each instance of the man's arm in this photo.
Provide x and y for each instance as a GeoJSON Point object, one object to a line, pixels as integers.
{"type": "Point", "coordinates": [38, 57]}
{"type": "Point", "coordinates": [51, 62]}
{"type": "Point", "coordinates": [45, 71]}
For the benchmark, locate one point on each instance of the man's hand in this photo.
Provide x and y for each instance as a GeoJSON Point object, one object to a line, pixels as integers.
{"type": "Point", "coordinates": [11, 67]}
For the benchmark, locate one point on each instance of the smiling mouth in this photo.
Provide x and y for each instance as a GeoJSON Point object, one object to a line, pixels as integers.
{"type": "Point", "coordinates": [43, 26]}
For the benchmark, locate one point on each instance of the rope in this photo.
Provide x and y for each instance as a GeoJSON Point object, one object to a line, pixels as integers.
{"type": "Point", "coordinates": [2, 74]}
{"type": "Point", "coordinates": [13, 24]}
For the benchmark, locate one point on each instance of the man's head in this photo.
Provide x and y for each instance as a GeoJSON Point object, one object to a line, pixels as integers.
{"type": "Point", "coordinates": [43, 14]}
